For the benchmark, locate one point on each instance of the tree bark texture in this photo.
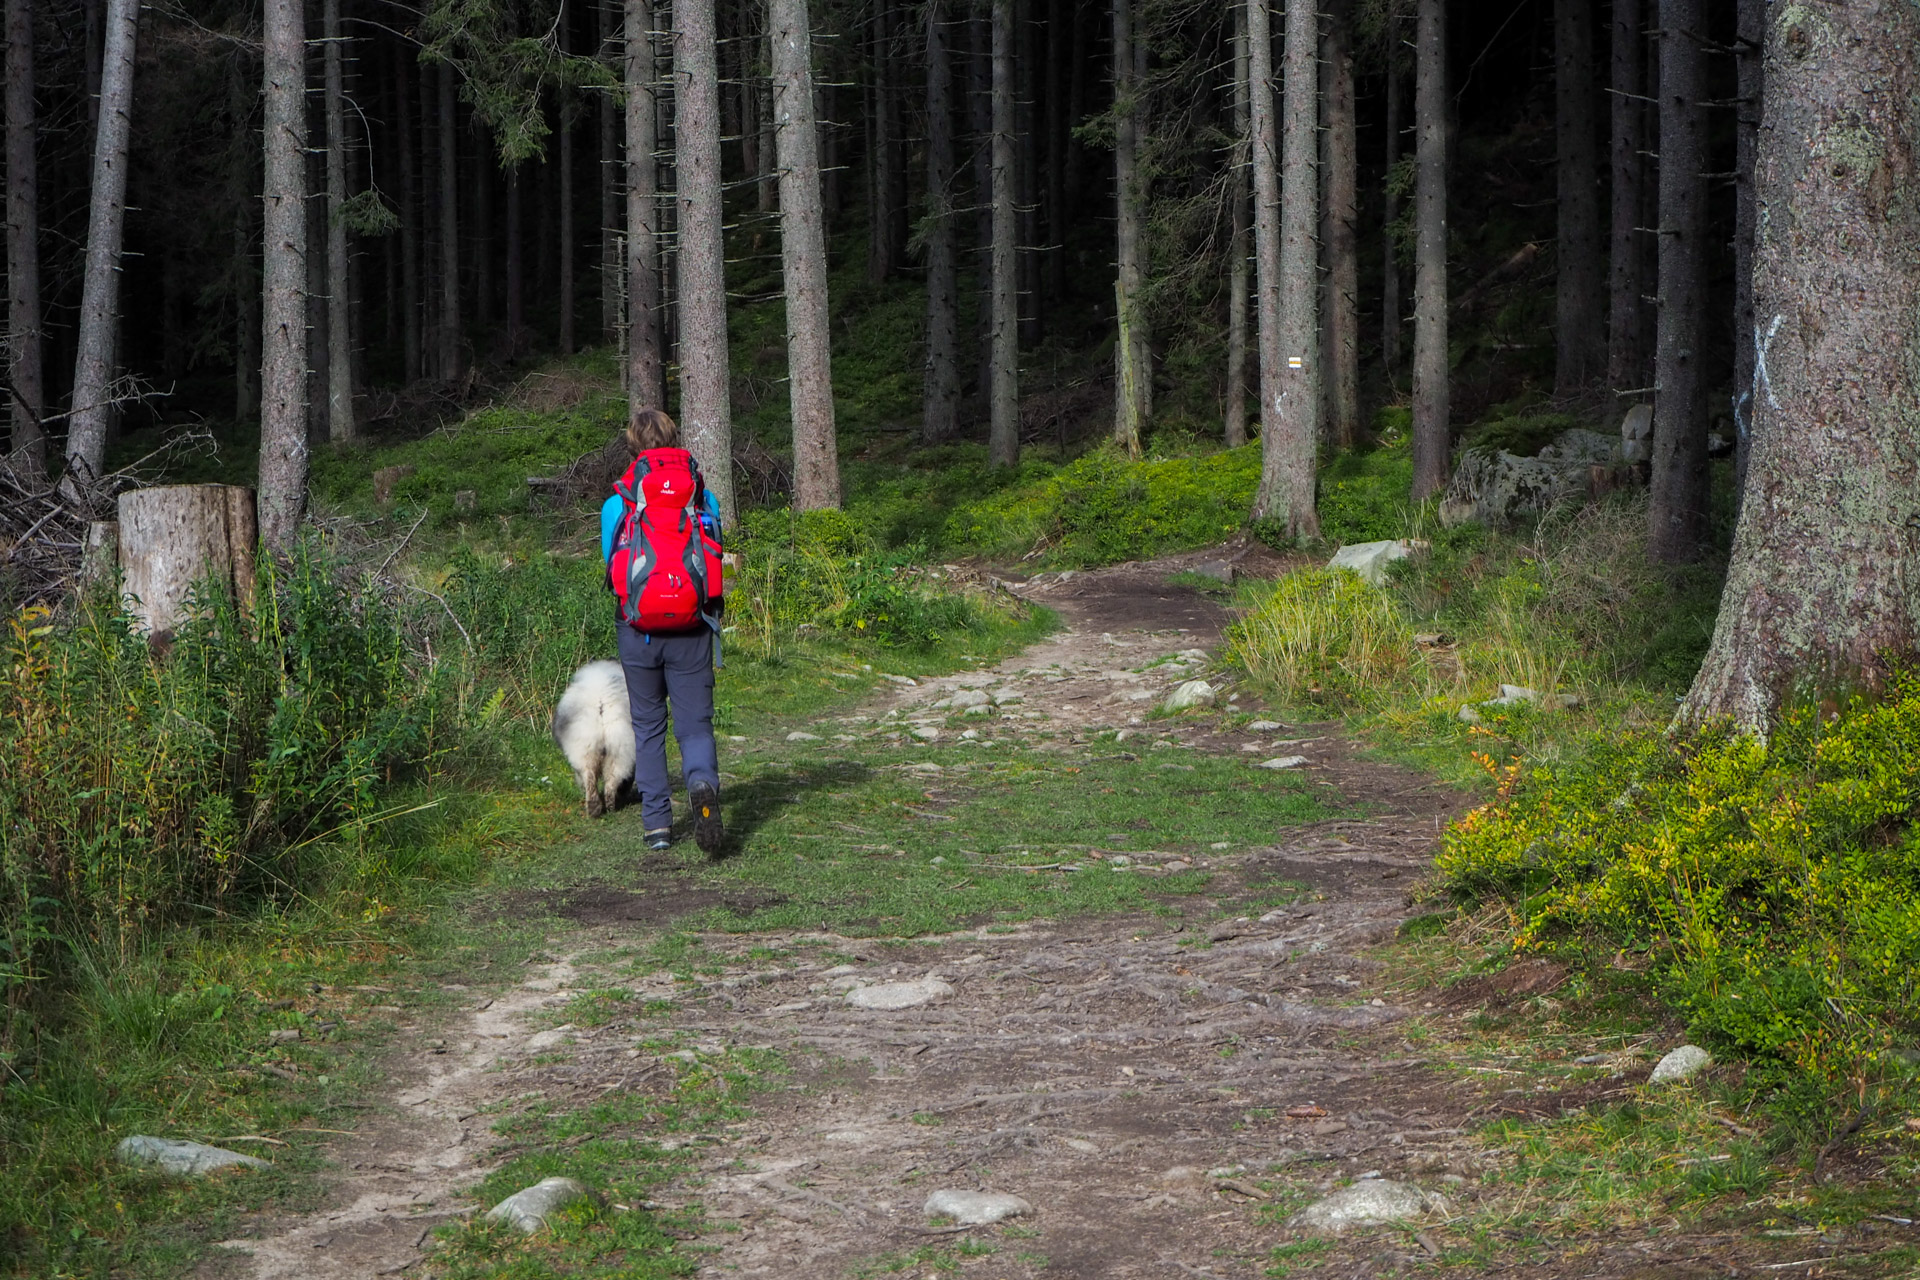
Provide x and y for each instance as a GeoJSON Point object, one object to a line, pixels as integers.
{"type": "Point", "coordinates": [340, 425]}
{"type": "Point", "coordinates": [283, 310]}
{"type": "Point", "coordinates": [516, 262]}
{"type": "Point", "coordinates": [410, 295]}
{"type": "Point", "coordinates": [569, 302]}
{"type": "Point", "coordinates": [1431, 393]}
{"type": "Point", "coordinates": [1291, 437]}
{"type": "Point", "coordinates": [882, 251]}
{"type": "Point", "coordinates": [1751, 16]}
{"type": "Point", "coordinates": [452, 346]}
{"type": "Point", "coordinates": [172, 538]}
{"type": "Point", "coordinates": [940, 412]}
{"type": "Point", "coordinates": [1059, 49]}
{"type": "Point", "coordinates": [93, 369]}
{"type": "Point", "coordinates": [1003, 429]}
{"type": "Point", "coordinates": [612, 266]}
{"type": "Point", "coordinates": [803, 260]}
{"type": "Point", "coordinates": [1241, 247]}
{"type": "Point", "coordinates": [1340, 231]}
{"type": "Point", "coordinates": [1263, 137]}
{"type": "Point", "coordinates": [1677, 493]}
{"type": "Point", "coordinates": [27, 403]}
{"type": "Point", "coordinates": [1027, 128]}
{"type": "Point", "coordinates": [1821, 587]}
{"type": "Point", "coordinates": [1626, 327]}
{"type": "Point", "coordinates": [646, 355]}
{"type": "Point", "coordinates": [706, 414]}
{"type": "Point", "coordinates": [1579, 318]}
{"type": "Point", "coordinates": [1391, 319]}
{"type": "Point", "coordinates": [1132, 352]}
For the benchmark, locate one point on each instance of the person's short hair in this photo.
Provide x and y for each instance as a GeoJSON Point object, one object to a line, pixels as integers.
{"type": "Point", "coordinates": [652, 429]}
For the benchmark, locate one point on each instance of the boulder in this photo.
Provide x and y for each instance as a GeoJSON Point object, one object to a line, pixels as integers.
{"type": "Point", "coordinates": [1501, 489]}
{"type": "Point", "coordinates": [1681, 1063]}
{"type": "Point", "coordinates": [1282, 762]}
{"type": "Point", "coordinates": [899, 995]}
{"type": "Point", "coordinates": [1636, 435]}
{"type": "Point", "coordinates": [1372, 1203]}
{"type": "Point", "coordinates": [1370, 559]}
{"type": "Point", "coordinates": [529, 1208]}
{"type": "Point", "coordinates": [182, 1159]}
{"type": "Point", "coordinates": [975, 1208]}
{"type": "Point", "coordinates": [970, 698]}
{"type": "Point", "coordinates": [1194, 693]}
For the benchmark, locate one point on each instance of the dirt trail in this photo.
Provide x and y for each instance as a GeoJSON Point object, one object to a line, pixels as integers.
{"type": "Point", "coordinates": [1122, 1075]}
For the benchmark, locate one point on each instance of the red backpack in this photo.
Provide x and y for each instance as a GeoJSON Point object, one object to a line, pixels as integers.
{"type": "Point", "coordinates": [666, 566]}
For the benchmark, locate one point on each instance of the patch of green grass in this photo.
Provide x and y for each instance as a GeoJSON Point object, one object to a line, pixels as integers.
{"type": "Point", "coordinates": [1286, 1258]}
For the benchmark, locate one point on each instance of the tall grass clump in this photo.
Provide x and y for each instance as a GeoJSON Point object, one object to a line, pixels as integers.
{"type": "Point", "coordinates": [140, 787]}
{"type": "Point", "coordinates": [1324, 637]}
{"type": "Point", "coordinates": [1768, 890]}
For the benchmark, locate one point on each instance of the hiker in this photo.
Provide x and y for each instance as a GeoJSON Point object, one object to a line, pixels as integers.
{"type": "Point", "coordinates": [660, 537]}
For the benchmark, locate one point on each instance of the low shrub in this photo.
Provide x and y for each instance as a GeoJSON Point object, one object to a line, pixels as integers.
{"type": "Point", "coordinates": [1324, 637]}
{"type": "Point", "coordinates": [1771, 889]}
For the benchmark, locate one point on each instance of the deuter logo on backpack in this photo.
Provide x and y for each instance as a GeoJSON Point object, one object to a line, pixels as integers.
{"type": "Point", "coordinates": [665, 568]}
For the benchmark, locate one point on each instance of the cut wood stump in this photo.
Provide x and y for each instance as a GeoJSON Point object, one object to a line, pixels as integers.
{"type": "Point", "coordinates": [178, 536]}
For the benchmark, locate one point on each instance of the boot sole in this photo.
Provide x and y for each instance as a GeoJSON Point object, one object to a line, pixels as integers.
{"type": "Point", "coordinates": [708, 831]}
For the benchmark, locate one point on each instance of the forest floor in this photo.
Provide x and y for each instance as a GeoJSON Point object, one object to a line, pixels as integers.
{"type": "Point", "coordinates": [1166, 1081]}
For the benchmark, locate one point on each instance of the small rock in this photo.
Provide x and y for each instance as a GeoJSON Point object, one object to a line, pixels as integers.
{"type": "Point", "coordinates": [1194, 693]}
{"type": "Point", "coordinates": [1218, 570]}
{"type": "Point", "coordinates": [1370, 559]}
{"type": "Point", "coordinates": [975, 1208]}
{"type": "Point", "coordinates": [1081, 1145]}
{"type": "Point", "coordinates": [1679, 1064]}
{"type": "Point", "coordinates": [970, 735]}
{"type": "Point", "coordinates": [183, 1159]}
{"type": "Point", "coordinates": [547, 1039]}
{"type": "Point", "coordinates": [899, 995]}
{"type": "Point", "coordinates": [528, 1209]}
{"type": "Point", "coordinates": [801, 735]}
{"type": "Point", "coordinates": [925, 733]}
{"type": "Point", "coordinates": [1636, 434]}
{"type": "Point", "coordinates": [943, 704]}
{"type": "Point", "coordinates": [1008, 697]}
{"type": "Point", "coordinates": [970, 698]}
{"type": "Point", "coordinates": [1182, 1175]}
{"type": "Point", "coordinates": [1282, 762]}
{"type": "Point", "coordinates": [286, 1035]}
{"type": "Point", "coordinates": [907, 681]}
{"type": "Point", "coordinates": [1372, 1203]}
{"type": "Point", "coordinates": [1469, 716]}
{"type": "Point", "coordinates": [1265, 726]}
{"type": "Point", "coordinates": [982, 709]}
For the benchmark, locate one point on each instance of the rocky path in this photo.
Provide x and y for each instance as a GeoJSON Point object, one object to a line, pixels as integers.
{"type": "Point", "coordinates": [1133, 1083]}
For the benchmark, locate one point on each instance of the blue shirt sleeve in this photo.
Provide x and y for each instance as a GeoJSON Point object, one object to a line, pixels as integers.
{"type": "Point", "coordinates": [610, 512]}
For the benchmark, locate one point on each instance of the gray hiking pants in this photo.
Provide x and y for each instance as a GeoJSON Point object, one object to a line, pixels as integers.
{"type": "Point", "coordinates": [675, 668]}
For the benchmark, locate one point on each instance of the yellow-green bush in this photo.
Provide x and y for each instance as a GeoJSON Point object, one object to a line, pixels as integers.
{"type": "Point", "coordinates": [1774, 887]}
{"type": "Point", "coordinates": [1324, 636]}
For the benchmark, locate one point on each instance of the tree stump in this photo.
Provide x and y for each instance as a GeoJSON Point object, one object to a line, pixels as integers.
{"type": "Point", "coordinates": [178, 536]}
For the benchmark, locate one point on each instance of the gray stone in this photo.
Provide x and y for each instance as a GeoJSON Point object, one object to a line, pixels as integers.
{"type": "Point", "coordinates": [980, 709]}
{"type": "Point", "coordinates": [1501, 489]}
{"type": "Point", "coordinates": [1372, 1203]}
{"type": "Point", "coordinates": [1282, 762]}
{"type": "Point", "coordinates": [182, 1159]}
{"type": "Point", "coordinates": [1685, 1061]}
{"type": "Point", "coordinates": [1636, 434]}
{"type": "Point", "coordinates": [1370, 559]}
{"type": "Point", "coordinates": [530, 1208]}
{"type": "Point", "coordinates": [899, 995]}
{"type": "Point", "coordinates": [925, 733]}
{"type": "Point", "coordinates": [975, 1208]}
{"type": "Point", "coordinates": [800, 735]}
{"type": "Point", "coordinates": [970, 698]}
{"type": "Point", "coordinates": [905, 681]}
{"type": "Point", "coordinates": [1218, 570]}
{"type": "Point", "coordinates": [1264, 726]}
{"type": "Point", "coordinates": [1008, 697]}
{"type": "Point", "coordinates": [1194, 693]}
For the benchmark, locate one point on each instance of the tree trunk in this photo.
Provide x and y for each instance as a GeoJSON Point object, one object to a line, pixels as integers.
{"type": "Point", "coordinates": [880, 246]}
{"type": "Point", "coordinates": [93, 410]}
{"type": "Point", "coordinates": [409, 222]}
{"type": "Point", "coordinates": [1677, 506]}
{"type": "Point", "coordinates": [1059, 46]}
{"type": "Point", "coordinates": [25, 362]}
{"type": "Point", "coordinates": [803, 259]}
{"type": "Point", "coordinates": [452, 348]}
{"type": "Point", "coordinates": [1626, 334]}
{"type": "Point", "coordinates": [1291, 435]}
{"type": "Point", "coordinates": [1821, 583]}
{"type": "Point", "coordinates": [1391, 319]}
{"type": "Point", "coordinates": [1752, 20]}
{"type": "Point", "coordinates": [706, 416]}
{"type": "Point", "coordinates": [1431, 401]}
{"type": "Point", "coordinates": [1241, 247]}
{"type": "Point", "coordinates": [1340, 234]}
{"type": "Point", "coordinates": [1027, 132]}
{"type": "Point", "coordinates": [1132, 351]}
{"type": "Point", "coordinates": [173, 538]}
{"type": "Point", "coordinates": [480, 238]}
{"type": "Point", "coordinates": [340, 425]}
{"type": "Point", "coordinates": [1003, 431]}
{"type": "Point", "coordinates": [1263, 136]}
{"type": "Point", "coordinates": [980, 120]}
{"type": "Point", "coordinates": [1579, 341]}
{"type": "Point", "coordinates": [569, 303]}
{"type": "Point", "coordinates": [646, 364]}
{"type": "Point", "coordinates": [611, 171]}
{"type": "Point", "coordinates": [516, 264]}
{"type": "Point", "coordinates": [940, 413]}
{"type": "Point", "coordinates": [319, 365]}
{"type": "Point", "coordinates": [283, 311]}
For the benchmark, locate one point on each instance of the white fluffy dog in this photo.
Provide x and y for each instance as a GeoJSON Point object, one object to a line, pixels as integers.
{"type": "Point", "coordinates": [594, 726]}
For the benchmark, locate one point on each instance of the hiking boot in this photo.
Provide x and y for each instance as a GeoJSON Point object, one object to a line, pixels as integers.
{"type": "Point", "coordinates": [661, 839]}
{"type": "Point", "coordinates": [708, 832]}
